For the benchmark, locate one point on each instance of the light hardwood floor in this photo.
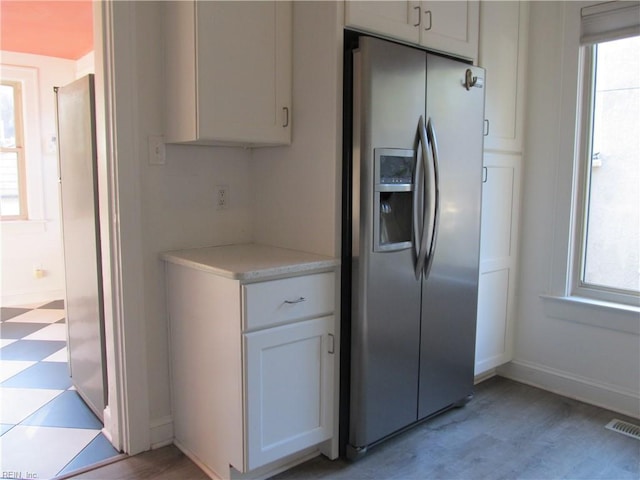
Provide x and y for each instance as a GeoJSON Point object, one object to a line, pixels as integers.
{"type": "Point", "coordinates": [508, 431]}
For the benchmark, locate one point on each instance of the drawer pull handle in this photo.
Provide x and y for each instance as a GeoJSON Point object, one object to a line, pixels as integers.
{"type": "Point", "coordinates": [292, 302]}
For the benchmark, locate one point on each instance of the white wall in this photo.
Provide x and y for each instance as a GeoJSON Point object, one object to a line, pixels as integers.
{"type": "Point", "coordinates": [176, 204]}
{"type": "Point", "coordinates": [85, 65]}
{"type": "Point", "coordinates": [591, 353]}
{"type": "Point", "coordinates": [37, 242]}
{"type": "Point", "coordinates": [281, 196]}
{"type": "Point", "coordinates": [296, 189]}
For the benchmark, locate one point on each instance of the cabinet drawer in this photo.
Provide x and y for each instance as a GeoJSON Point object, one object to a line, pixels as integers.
{"type": "Point", "coordinates": [279, 301]}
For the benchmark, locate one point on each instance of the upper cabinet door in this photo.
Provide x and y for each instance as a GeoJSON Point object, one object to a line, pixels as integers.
{"type": "Point", "coordinates": [449, 27]}
{"type": "Point", "coordinates": [503, 49]}
{"type": "Point", "coordinates": [395, 19]}
{"type": "Point", "coordinates": [228, 72]}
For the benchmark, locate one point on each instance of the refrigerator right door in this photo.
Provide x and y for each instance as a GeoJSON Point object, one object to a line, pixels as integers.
{"type": "Point", "coordinates": [454, 112]}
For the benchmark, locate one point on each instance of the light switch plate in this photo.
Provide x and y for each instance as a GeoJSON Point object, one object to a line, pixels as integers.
{"type": "Point", "coordinates": [156, 150]}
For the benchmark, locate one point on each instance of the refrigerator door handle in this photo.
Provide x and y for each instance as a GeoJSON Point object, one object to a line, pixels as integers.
{"type": "Point", "coordinates": [434, 206]}
{"type": "Point", "coordinates": [420, 199]}
{"type": "Point", "coordinates": [418, 185]}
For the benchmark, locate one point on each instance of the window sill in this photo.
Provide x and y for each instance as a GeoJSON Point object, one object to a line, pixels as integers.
{"type": "Point", "coordinates": [595, 313]}
{"type": "Point", "coordinates": [23, 226]}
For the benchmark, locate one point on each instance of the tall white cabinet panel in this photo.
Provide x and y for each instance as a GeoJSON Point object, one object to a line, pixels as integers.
{"type": "Point", "coordinates": [498, 259]}
{"type": "Point", "coordinates": [503, 46]}
{"type": "Point", "coordinates": [491, 329]}
{"type": "Point", "coordinates": [228, 72]}
{"type": "Point", "coordinates": [503, 53]}
{"type": "Point", "coordinates": [449, 27]}
{"type": "Point", "coordinates": [497, 209]}
{"type": "Point", "coordinates": [288, 383]}
{"type": "Point", "coordinates": [206, 367]}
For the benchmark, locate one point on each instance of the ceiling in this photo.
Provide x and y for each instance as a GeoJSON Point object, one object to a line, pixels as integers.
{"type": "Point", "coordinates": [62, 29]}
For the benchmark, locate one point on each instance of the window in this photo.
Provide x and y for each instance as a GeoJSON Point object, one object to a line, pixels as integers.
{"type": "Point", "coordinates": [607, 248]}
{"type": "Point", "coordinates": [13, 198]}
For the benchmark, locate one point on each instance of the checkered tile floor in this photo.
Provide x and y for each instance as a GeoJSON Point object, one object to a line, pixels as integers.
{"type": "Point", "coordinates": [46, 429]}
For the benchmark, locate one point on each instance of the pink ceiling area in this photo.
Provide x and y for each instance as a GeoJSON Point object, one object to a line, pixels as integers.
{"type": "Point", "coordinates": [62, 29]}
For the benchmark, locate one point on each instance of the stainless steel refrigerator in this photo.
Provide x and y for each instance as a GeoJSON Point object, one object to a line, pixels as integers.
{"type": "Point", "coordinates": [77, 166]}
{"type": "Point", "coordinates": [412, 228]}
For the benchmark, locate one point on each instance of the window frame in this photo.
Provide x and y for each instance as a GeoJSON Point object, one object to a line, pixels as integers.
{"type": "Point", "coordinates": [19, 149]}
{"type": "Point", "coordinates": [580, 209]}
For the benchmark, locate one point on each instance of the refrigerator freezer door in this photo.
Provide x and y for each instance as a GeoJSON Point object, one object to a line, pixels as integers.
{"type": "Point", "coordinates": [81, 240]}
{"type": "Point", "coordinates": [449, 299]}
{"type": "Point", "coordinates": [389, 85]}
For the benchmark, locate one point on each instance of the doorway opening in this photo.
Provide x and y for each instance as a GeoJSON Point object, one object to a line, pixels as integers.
{"type": "Point", "coordinates": [47, 429]}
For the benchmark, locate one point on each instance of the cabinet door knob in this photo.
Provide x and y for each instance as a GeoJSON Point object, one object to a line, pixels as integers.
{"type": "Point", "coordinates": [419, 16]}
{"type": "Point", "coordinates": [286, 117]}
{"type": "Point", "coordinates": [486, 127]}
{"type": "Point", "coordinates": [293, 302]}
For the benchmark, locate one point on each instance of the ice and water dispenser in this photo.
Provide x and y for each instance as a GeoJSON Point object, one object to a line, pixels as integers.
{"type": "Point", "coordinates": [393, 198]}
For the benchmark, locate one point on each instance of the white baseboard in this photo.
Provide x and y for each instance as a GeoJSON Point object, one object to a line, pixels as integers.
{"type": "Point", "coordinates": [278, 466]}
{"type": "Point", "coordinates": [260, 473]}
{"type": "Point", "coordinates": [568, 385]}
{"type": "Point", "coordinates": [481, 377]}
{"type": "Point", "coordinates": [107, 424]}
{"type": "Point", "coordinates": [161, 432]}
{"type": "Point", "coordinates": [13, 299]}
{"type": "Point", "coordinates": [201, 465]}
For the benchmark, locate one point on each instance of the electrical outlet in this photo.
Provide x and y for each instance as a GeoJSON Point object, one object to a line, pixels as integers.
{"type": "Point", "coordinates": [222, 199]}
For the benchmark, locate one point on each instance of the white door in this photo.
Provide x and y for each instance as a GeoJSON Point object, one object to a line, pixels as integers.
{"type": "Point", "coordinates": [244, 97]}
{"type": "Point", "coordinates": [491, 330]}
{"type": "Point", "coordinates": [288, 390]}
{"type": "Point", "coordinates": [396, 19]}
{"type": "Point", "coordinates": [497, 261]}
{"type": "Point", "coordinates": [451, 27]}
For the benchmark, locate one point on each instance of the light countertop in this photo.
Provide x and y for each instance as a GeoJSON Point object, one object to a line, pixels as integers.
{"type": "Point", "coordinates": [250, 262]}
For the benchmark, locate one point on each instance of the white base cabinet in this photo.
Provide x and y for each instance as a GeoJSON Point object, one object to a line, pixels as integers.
{"type": "Point", "coordinates": [252, 367]}
{"type": "Point", "coordinates": [448, 27]}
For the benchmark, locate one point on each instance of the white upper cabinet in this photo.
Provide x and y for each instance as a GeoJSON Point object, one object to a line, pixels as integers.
{"type": "Point", "coordinates": [503, 44]}
{"type": "Point", "coordinates": [394, 19]}
{"type": "Point", "coordinates": [228, 72]}
{"type": "Point", "coordinates": [449, 27]}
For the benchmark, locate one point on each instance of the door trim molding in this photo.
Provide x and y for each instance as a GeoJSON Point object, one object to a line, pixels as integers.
{"type": "Point", "coordinates": [120, 220]}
